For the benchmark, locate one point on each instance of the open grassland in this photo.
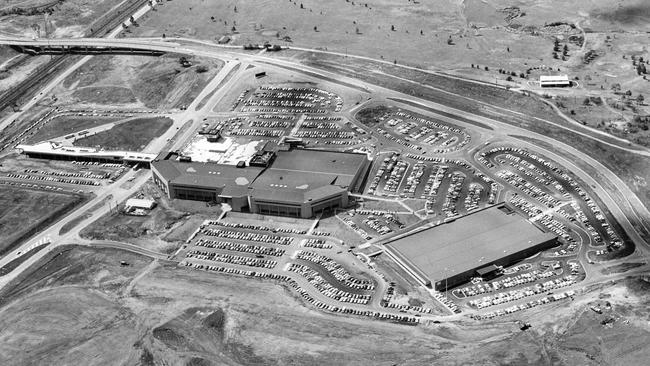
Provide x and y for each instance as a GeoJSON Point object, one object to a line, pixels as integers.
{"type": "Point", "coordinates": [64, 125]}
{"type": "Point", "coordinates": [137, 81]}
{"type": "Point", "coordinates": [133, 135]}
{"type": "Point", "coordinates": [80, 305]}
{"type": "Point", "coordinates": [434, 33]}
{"type": "Point", "coordinates": [24, 212]}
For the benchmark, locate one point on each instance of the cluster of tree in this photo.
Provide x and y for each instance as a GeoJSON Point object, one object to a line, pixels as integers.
{"type": "Point", "coordinates": [512, 73]}
{"type": "Point", "coordinates": [640, 65]}
{"type": "Point", "coordinates": [556, 48]}
{"type": "Point", "coordinates": [267, 46]}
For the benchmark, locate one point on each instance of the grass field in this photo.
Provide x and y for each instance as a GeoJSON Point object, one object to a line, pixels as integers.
{"type": "Point", "coordinates": [23, 212]}
{"type": "Point", "coordinates": [67, 124]}
{"type": "Point", "coordinates": [131, 136]}
{"type": "Point", "coordinates": [79, 305]}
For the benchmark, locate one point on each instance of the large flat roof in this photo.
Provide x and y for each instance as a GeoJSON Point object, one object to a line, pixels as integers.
{"type": "Point", "coordinates": [299, 175]}
{"type": "Point", "coordinates": [467, 243]}
{"type": "Point", "coordinates": [294, 176]}
{"type": "Point", "coordinates": [206, 174]}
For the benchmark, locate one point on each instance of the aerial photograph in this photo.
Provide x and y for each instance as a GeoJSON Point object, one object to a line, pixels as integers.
{"type": "Point", "coordinates": [325, 182]}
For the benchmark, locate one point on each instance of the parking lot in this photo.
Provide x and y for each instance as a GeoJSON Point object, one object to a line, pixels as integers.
{"type": "Point", "coordinates": [447, 187]}
{"type": "Point", "coordinates": [552, 197]}
{"type": "Point", "coordinates": [288, 99]}
{"type": "Point", "coordinates": [420, 133]}
{"type": "Point", "coordinates": [58, 175]}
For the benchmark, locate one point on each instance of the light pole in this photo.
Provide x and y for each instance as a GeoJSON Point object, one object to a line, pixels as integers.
{"type": "Point", "coordinates": [446, 298]}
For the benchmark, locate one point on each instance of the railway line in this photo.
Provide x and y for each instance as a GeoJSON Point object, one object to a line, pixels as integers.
{"type": "Point", "coordinates": [28, 87]}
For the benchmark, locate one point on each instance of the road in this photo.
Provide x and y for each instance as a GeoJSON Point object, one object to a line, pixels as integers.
{"type": "Point", "coordinates": [622, 210]}
{"type": "Point", "coordinates": [113, 193]}
{"type": "Point", "coordinates": [59, 80]}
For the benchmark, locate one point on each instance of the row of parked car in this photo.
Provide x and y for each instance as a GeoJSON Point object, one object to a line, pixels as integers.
{"type": "Point", "coordinates": [326, 288]}
{"type": "Point", "coordinates": [318, 134]}
{"type": "Point", "coordinates": [317, 243]}
{"type": "Point", "coordinates": [524, 306]}
{"type": "Point", "coordinates": [89, 175]}
{"type": "Point", "coordinates": [238, 235]}
{"type": "Point", "coordinates": [336, 270]}
{"type": "Point", "coordinates": [305, 294]}
{"type": "Point", "coordinates": [507, 282]}
{"type": "Point", "coordinates": [453, 194]}
{"type": "Point", "coordinates": [53, 179]}
{"type": "Point", "coordinates": [319, 125]}
{"type": "Point", "coordinates": [238, 225]}
{"type": "Point", "coordinates": [253, 109]}
{"type": "Point", "coordinates": [270, 124]}
{"type": "Point", "coordinates": [256, 132]}
{"type": "Point", "coordinates": [231, 258]}
{"type": "Point", "coordinates": [517, 294]}
{"type": "Point", "coordinates": [239, 247]}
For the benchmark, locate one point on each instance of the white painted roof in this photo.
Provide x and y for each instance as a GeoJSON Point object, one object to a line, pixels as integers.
{"type": "Point", "coordinates": [553, 78]}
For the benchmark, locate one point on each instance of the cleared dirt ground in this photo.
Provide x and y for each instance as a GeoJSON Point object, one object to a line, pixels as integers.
{"type": "Point", "coordinates": [64, 19]}
{"type": "Point", "coordinates": [81, 306]}
{"type": "Point", "coordinates": [137, 81]}
{"type": "Point", "coordinates": [162, 230]}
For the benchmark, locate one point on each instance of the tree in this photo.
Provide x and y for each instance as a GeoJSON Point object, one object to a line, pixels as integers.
{"type": "Point", "coordinates": [234, 29]}
{"type": "Point", "coordinates": [486, 68]}
{"type": "Point", "coordinates": [565, 50]}
{"type": "Point", "coordinates": [628, 93]}
{"type": "Point", "coordinates": [509, 78]}
{"type": "Point", "coordinates": [616, 87]}
{"type": "Point", "coordinates": [587, 101]}
{"type": "Point", "coordinates": [640, 69]}
{"type": "Point", "coordinates": [392, 28]}
{"type": "Point", "coordinates": [235, 9]}
{"type": "Point", "coordinates": [640, 99]}
{"type": "Point", "coordinates": [315, 29]}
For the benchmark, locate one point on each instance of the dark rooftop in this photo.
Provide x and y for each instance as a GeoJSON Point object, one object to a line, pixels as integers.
{"type": "Point", "coordinates": [472, 241]}
{"type": "Point", "coordinates": [299, 175]}
{"type": "Point", "coordinates": [206, 174]}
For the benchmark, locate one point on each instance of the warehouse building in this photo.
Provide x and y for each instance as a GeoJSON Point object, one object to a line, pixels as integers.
{"type": "Point", "coordinates": [296, 183]}
{"type": "Point", "coordinates": [474, 245]}
{"type": "Point", "coordinates": [551, 81]}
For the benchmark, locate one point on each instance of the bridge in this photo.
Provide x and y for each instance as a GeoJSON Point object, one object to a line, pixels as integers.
{"type": "Point", "coordinates": [87, 46]}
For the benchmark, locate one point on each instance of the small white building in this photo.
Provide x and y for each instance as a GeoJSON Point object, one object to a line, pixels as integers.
{"type": "Point", "coordinates": [137, 203]}
{"type": "Point", "coordinates": [550, 81]}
